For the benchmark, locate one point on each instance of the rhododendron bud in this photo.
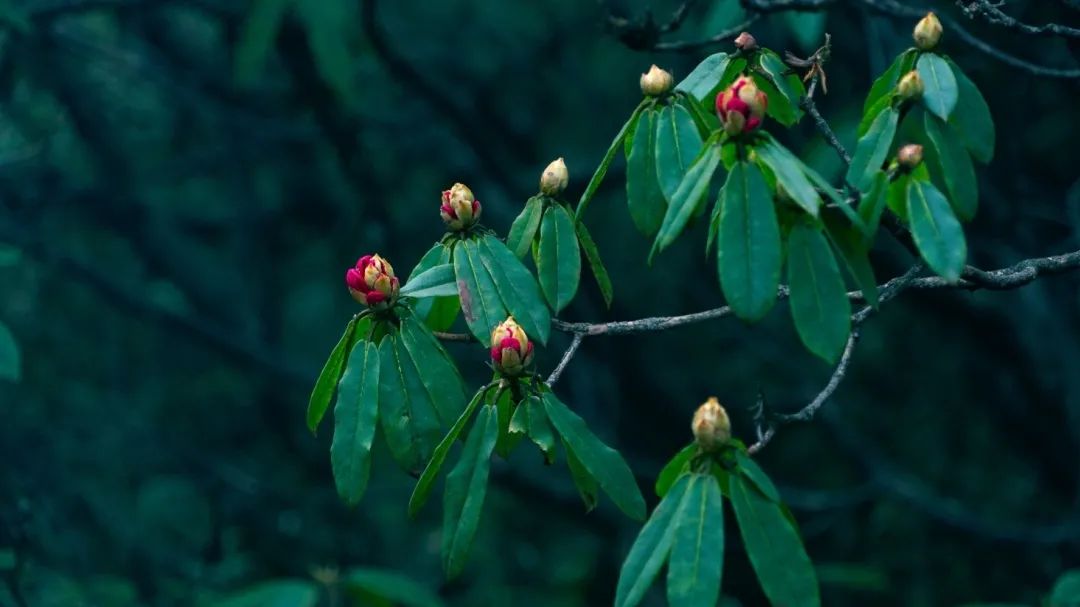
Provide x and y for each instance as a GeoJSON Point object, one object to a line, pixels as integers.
{"type": "Point", "coordinates": [554, 178]}
{"type": "Point", "coordinates": [372, 282]}
{"type": "Point", "coordinates": [460, 210]}
{"type": "Point", "coordinates": [656, 82]}
{"type": "Point", "coordinates": [927, 32]}
{"type": "Point", "coordinates": [511, 350]}
{"type": "Point", "coordinates": [909, 156]}
{"type": "Point", "coordinates": [741, 106]}
{"type": "Point", "coordinates": [711, 426]}
{"type": "Point", "coordinates": [745, 42]}
{"type": "Point", "coordinates": [910, 86]}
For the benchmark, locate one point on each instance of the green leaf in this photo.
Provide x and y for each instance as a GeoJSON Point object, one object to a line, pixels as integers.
{"type": "Point", "coordinates": [481, 304]}
{"type": "Point", "coordinates": [431, 471]}
{"type": "Point", "coordinates": [605, 162]}
{"type": "Point", "coordinates": [854, 249]}
{"type": "Point", "coordinates": [784, 97]}
{"type": "Point", "coordinates": [697, 551]}
{"type": "Point", "coordinates": [437, 281]}
{"type": "Point", "coordinates": [438, 312]}
{"type": "Point", "coordinates": [466, 487]}
{"type": "Point", "coordinates": [440, 380]}
{"type": "Point", "coordinates": [885, 85]}
{"type": "Point", "coordinates": [558, 261]}
{"type": "Point", "coordinates": [586, 484]}
{"type": "Point", "coordinates": [531, 420]}
{"type": "Point", "coordinates": [256, 39]}
{"type": "Point", "coordinates": [592, 255]}
{"type": "Point", "coordinates": [678, 143]}
{"type": "Point", "coordinates": [602, 462]}
{"type": "Point", "coordinates": [1066, 591]}
{"type": "Point", "coordinates": [385, 585]}
{"type": "Point", "coordinates": [872, 149]}
{"type": "Point", "coordinates": [873, 203]}
{"type": "Point", "coordinates": [277, 593]}
{"type": "Point", "coordinates": [517, 288]}
{"type": "Point", "coordinates": [749, 257]}
{"type": "Point", "coordinates": [791, 173]}
{"type": "Point", "coordinates": [896, 196]}
{"type": "Point", "coordinates": [819, 303]}
{"type": "Point", "coordinates": [936, 231]}
{"type": "Point", "coordinates": [705, 78]}
{"type": "Point", "coordinates": [955, 167]}
{"type": "Point", "coordinates": [651, 547]}
{"type": "Point", "coordinates": [749, 468]}
{"type": "Point", "coordinates": [523, 230]}
{"type": "Point", "coordinates": [940, 89]}
{"type": "Point", "coordinates": [674, 469]}
{"type": "Point", "coordinates": [971, 119]}
{"type": "Point", "coordinates": [318, 403]}
{"type": "Point", "coordinates": [643, 194]}
{"type": "Point", "coordinates": [772, 543]}
{"type": "Point", "coordinates": [355, 416]}
{"type": "Point", "coordinates": [687, 198]}
{"type": "Point", "coordinates": [714, 221]}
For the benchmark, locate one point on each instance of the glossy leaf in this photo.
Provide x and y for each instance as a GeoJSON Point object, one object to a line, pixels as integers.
{"type": "Point", "coordinates": [605, 162]}
{"type": "Point", "coordinates": [437, 281]}
{"type": "Point", "coordinates": [678, 143]}
{"type": "Point", "coordinates": [321, 394]}
{"type": "Point", "coordinates": [873, 204]}
{"type": "Point", "coordinates": [517, 288]}
{"type": "Point", "coordinates": [523, 230]}
{"type": "Point", "coordinates": [972, 119]}
{"type": "Point", "coordinates": [651, 547]}
{"type": "Point", "coordinates": [481, 305]}
{"type": "Point", "coordinates": [791, 173]}
{"type": "Point", "coordinates": [785, 95]}
{"type": "Point", "coordinates": [438, 457]}
{"type": "Point", "coordinates": [586, 484]}
{"type": "Point", "coordinates": [955, 167]}
{"type": "Point", "coordinates": [703, 81]}
{"type": "Point", "coordinates": [466, 488]}
{"type": "Point", "coordinates": [749, 468]}
{"type": "Point", "coordinates": [714, 221]}
{"type": "Point", "coordinates": [819, 303]}
{"type": "Point", "coordinates": [438, 313]}
{"type": "Point", "coordinates": [940, 89]}
{"type": "Point", "coordinates": [558, 261]}
{"type": "Point", "coordinates": [697, 551]}
{"type": "Point", "coordinates": [687, 198]}
{"type": "Point", "coordinates": [854, 248]}
{"type": "Point", "coordinates": [749, 257]}
{"type": "Point", "coordinates": [674, 469]}
{"type": "Point", "coordinates": [602, 462]}
{"type": "Point", "coordinates": [772, 543]}
{"type": "Point", "coordinates": [643, 194]}
{"type": "Point", "coordinates": [935, 229]}
{"type": "Point", "coordinates": [872, 149]}
{"type": "Point", "coordinates": [531, 420]}
{"type": "Point", "coordinates": [355, 416]}
{"type": "Point", "coordinates": [592, 255]}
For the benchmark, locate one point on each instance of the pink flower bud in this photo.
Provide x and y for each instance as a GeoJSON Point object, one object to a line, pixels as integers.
{"type": "Point", "coordinates": [711, 426]}
{"type": "Point", "coordinates": [909, 156]}
{"type": "Point", "coordinates": [656, 82]}
{"type": "Point", "coordinates": [741, 106]}
{"type": "Point", "coordinates": [745, 42]}
{"type": "Point", "coordinates": [372, 282]}
{"type": "Point", "coordinates": [511, 350]}
{"type": "Point", "coordinates": [460, 210]}
{"type": "Point", "coordinates": [927, 32]}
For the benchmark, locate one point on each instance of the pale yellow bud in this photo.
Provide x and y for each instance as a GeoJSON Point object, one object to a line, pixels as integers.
{"type": "Point", "coordinates": [554, 178]}
{"type": "Point", "coordinates": [910, 86]}
{"type": "Point", "coordinates": [656, 82]}
{"type": "Point", "coordinates": [711, 426]}
{"type": "Point", "coordinates": [927, 32]}
{"type": "Point", "coordinates": [909, 156]}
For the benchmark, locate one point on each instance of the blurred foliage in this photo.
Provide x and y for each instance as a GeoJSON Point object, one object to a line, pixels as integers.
{"type": "Point", "coordinates": [183, 182]}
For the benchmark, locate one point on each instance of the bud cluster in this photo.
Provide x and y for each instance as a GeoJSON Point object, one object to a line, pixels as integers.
{"type": "Point", "coordinates": [511, 350]}
{"type": "Point", "coordinates": [460, 210]}
{"type": "Point", "coordinates": [372, 282]}
{"type": "Point", "coordinates": [741, 106]}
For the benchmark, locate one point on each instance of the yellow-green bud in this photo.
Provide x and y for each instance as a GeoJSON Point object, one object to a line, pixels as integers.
{"type": "Point", "coordinates": [711, 426]}
{"type": "Point", "coordinates": [910, 86]}
{"type": "Point", "coordinates": [554, 178]}
{"type": "Point", "coordinates": [656, 82]}
{"type": "Point", "coordinates": [927, 32]}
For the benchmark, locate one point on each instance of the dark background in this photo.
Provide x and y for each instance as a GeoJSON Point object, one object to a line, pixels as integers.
{"type": "Point", "coordinates": [179, 201]}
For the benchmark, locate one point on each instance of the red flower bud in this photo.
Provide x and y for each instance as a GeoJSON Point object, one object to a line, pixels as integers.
{"type": "Point", "coordinates": [460, 210]}
{"type": "Point", "coordinates": [711, 426]}
{"type": "Point", "coordinates": [741, 106]}
{"type": "Point", "coordinates": [511, 350]}
{"type": "Point", "coordinates": [372, 282]}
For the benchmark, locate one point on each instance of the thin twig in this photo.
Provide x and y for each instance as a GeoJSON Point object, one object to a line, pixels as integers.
{"type": "Point", "coordinates": [574, 344]}
{"type": "Point", "coordinates": [992, 14]}
{"type": "Point", "coordinates": [694, 45]}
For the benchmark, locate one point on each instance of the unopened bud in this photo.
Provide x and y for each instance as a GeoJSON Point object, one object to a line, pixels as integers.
{"type": "Point", "coordinates": [910, 86]}
{"type": "Point", "coordinates": [460, 210]}
{"type": "Point", "coordinates": [554, 178]}
{"type": "Point", "coordinates": [511, 350]}
{"type": "Point", "coordinates": [745, 42]}
{"type": "Point", "coordinates": [711, 426]}
{"type": "Point", "coordinates": [372, 282]}
{"type": "Point", "coordinates": [741, 106]}
{"type": "Point", "coordinates": [927, 32]}
{"type": "Point", "coordinates": [909, 156]}
{"type": "Point", "coordinates": [656, 82]}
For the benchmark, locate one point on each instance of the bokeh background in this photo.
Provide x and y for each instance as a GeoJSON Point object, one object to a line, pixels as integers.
{"type": "Point", "coordinates": [183, 183]}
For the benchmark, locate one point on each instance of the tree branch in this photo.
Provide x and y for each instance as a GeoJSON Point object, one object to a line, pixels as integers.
{"type": "Point", "coordinates": [554, 377]}
{"type": "Point", "coordinates": [992, 14]}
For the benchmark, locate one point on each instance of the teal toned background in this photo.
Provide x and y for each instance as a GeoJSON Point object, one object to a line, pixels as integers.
{"type": "Point", "coordinates": [179, 202]}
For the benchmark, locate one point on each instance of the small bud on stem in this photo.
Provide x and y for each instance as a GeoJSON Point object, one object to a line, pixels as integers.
{"type": "Point", "coordinates": [745, 42]}
{"type": "Point", "coordinates": [741, 106]}
{"type": "Point", "coordinates": [909, 156]}
{"type": "Point", "coordinates": [511, 350]}
{"type": "Point", "coordinates": [711, 426]}
{"type": "Point", "coordinates": [656, 82]}
{"type": "Point", "coordinates": [372, 282]}
{"type": "Point", "coordinates": [927, 32]}
{"type": "Point", "coordinates": [910, 86]}
{"type": "Point", "coordinates": [459, 210]}
{"type": "Point", "coordinates": [554, 178]}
